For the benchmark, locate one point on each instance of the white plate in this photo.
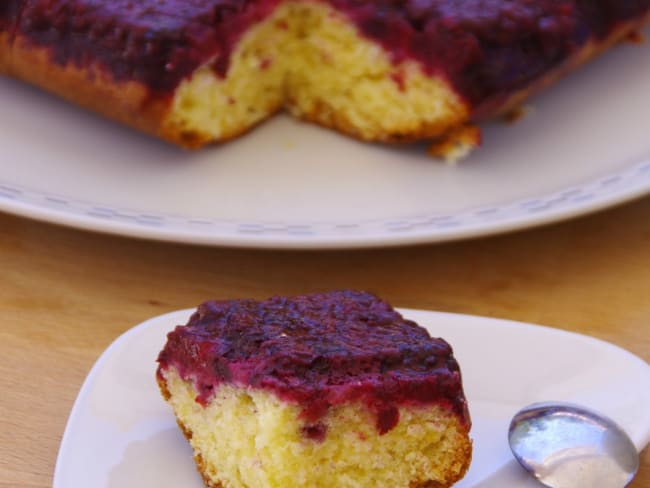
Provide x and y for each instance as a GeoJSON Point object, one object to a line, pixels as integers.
{"type": "Point", "coordinates": [121, 434]}
{"type": "Point", "coordinates": [292, 185]}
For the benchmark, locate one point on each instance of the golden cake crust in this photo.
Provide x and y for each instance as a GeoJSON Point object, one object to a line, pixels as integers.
{"type": "Point", "coordinates": [5, 53]}
{"type": "Point", "coordinates": [325, 117]}
{"type": "Point", "coordinates": [90, 87]}
{"type": "Point", "coordinates": [198, 459]}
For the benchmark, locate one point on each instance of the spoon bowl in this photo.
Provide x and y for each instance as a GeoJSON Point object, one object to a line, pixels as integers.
{"type": "Point", "coordinates": [568, 446]}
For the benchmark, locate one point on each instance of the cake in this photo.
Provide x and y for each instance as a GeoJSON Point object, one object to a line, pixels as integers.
{"type": "Point", "coordinates": [325, 390]}
{"type": "Point", "coordinates": [201, 71]}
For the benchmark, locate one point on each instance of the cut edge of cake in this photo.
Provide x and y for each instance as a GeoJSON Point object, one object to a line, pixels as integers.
{"type": "Point", "coordinates": [428, 448]}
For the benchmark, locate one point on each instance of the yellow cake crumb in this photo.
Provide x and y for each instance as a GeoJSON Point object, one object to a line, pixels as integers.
{"type": "Point", "coordinates": [249, 438]}
{"type": "Point", "coordinates": [305, 57]}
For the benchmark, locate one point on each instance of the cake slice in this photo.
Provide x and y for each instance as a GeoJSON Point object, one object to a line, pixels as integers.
{"type": "Point", "coordinates": [200, 71]}
{"type": "Point", "coordinates": [324, 390]}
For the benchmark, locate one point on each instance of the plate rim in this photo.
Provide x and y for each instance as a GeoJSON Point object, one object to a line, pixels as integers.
{"type": "Point", "coordinates": [602, 192]}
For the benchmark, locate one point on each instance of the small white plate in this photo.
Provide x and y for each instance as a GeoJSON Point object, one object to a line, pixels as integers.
{"type": "Point", "coordinates": [121, 434]}
{"type": "Point", "coordinates": [292, 185]}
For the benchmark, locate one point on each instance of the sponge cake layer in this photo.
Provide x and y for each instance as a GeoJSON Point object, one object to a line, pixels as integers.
{"type": "Point", "coordinates": [247, 438]}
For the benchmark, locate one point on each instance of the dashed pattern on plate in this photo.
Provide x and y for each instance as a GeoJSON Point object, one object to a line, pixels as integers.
{"type": "Point", "coordinates": [629, 183]}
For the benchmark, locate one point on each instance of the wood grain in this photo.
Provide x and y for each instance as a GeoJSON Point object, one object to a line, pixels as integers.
{"type": "Point", "coordinates": [66, 294]}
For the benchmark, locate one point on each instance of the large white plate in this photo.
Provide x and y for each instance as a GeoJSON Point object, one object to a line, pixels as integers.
{"type": "Point", "coordinates": [292, 185]}
{"type": "Point", "coordinates": [121, 434]}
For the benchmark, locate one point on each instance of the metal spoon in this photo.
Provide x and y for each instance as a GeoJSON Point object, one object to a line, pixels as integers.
{"type": "Point", "coordinates": [567, 446]}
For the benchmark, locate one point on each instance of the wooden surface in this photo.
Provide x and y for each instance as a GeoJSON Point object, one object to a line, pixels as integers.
{"type": "Point", "coordinates": [66, 294]}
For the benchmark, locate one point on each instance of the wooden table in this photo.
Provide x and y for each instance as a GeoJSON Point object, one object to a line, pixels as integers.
{"type": "Point", "coordinates": [66, 294]}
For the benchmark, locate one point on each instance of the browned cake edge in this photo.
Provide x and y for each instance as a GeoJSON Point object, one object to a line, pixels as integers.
{"type": "Point", "coordinates": [93, 88]}
{"type": "Point", "coordinates": [623, 32]}
{"type": "Point", "coordinates": [200, 465]}
{"type": "Point", "coordinates": [323, 116]}
{"type": "Point", "coordinates": [5, 52]}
